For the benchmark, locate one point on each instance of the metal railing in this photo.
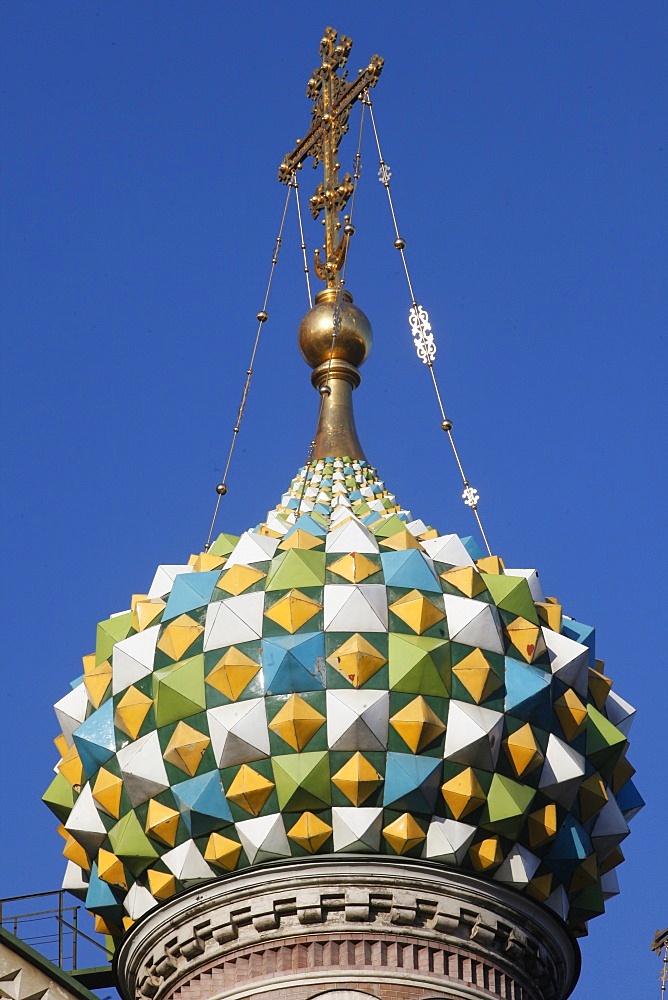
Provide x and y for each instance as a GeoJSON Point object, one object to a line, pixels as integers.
{"type": "Point", "coordinates": [50, 923]}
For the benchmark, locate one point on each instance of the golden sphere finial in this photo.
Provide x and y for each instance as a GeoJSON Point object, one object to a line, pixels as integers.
{"type": "Point", "coordinates": [317, 342]}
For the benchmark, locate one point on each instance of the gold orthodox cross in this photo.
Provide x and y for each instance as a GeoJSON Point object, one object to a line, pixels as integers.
{"type": "Point", "coordinates": [334, 97]}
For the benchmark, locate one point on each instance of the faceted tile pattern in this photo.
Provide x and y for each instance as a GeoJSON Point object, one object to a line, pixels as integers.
{"type": "Point", "coordinates": [342, 678]}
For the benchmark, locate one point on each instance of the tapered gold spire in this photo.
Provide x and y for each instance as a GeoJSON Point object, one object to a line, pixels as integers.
{"type": "Point", "coordinates": [335, 339]}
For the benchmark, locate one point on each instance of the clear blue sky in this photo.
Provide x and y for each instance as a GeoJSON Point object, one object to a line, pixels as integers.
{"type": "Point", "coordinates": [140, 144]}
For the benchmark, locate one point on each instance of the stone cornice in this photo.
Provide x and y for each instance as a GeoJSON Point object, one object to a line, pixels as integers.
{"type": "Point", "coordinates": [369, 898]}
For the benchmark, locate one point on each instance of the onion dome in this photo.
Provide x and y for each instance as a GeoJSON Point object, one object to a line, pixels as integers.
{"type": "Point", "coordinates": [342, 678]}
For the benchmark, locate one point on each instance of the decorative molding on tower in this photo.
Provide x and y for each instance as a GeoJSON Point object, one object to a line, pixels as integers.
{"type": "Point", "coordinates": [362, 923]}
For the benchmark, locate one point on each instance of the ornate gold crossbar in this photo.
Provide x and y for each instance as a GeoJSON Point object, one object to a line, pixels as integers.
{"type": "Point", "coordinates": [334, 97]}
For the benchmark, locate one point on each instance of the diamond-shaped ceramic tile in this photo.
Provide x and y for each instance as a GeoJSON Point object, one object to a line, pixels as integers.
{"type": "Point", "coordinates": [234, 620]}
{"type": "Point", "coordinates": [361, 608]}
{"type": "Point", "coordinates": [357, 830]}
{"type": "Point", "coordinates": [264, 838]}
{"type": "Point", "coordinates": [239, 732]}
{"type": "Point", "coordinates": [357, 720]}
{"type": "Point", "coordinates": [143, 768]}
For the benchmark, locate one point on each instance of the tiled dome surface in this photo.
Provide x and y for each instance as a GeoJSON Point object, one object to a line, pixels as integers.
{"type": "Point", "coordinates": [345, 680]}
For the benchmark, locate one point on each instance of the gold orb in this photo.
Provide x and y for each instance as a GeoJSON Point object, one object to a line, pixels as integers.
{"type": "Point", "coordinates": [316, 331]}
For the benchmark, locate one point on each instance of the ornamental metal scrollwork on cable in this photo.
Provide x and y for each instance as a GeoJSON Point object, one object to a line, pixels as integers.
{"type": "Point", "coordinates": [471, 497]}
{"type": "Point", "coordinates": [423, 338]}
{"type": "Point", "coordinates": [384, 174]}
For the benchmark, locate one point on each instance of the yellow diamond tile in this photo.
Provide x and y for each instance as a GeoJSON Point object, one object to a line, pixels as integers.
{"type": "Point", "coordinates": [161, 885]}
{"type": "Point", "coordinates": [205, 562]}
{"type": "Point", "coordinates": [523, 751]}
{"type": "Point", "coordinates": [491, 564]}
{"type": "Point", "coordinates": [357, 660]}
{"type": "Point", "coordinates": [404, 833]}
{"type": "Point", "coordinates": [179, 636]}
{"type": "Point", "coordinates": [250, 790]}
{"type": "Point", "coordinates": [477, 676]}
{"type": "Point", "coordinates": [585, 874]}
{"type": "Point", "coordinates": [186, 748]}
{"type": "Point", "coordinates": [310, 832]}
{"type": "Point", "coordinates": [161, 823]}
{"type": "Point", "coordinates": [417, 612]}
{"type": "Point", "coordinates": [466, 579]}
{"type": "Point", "coordinates": [599, 687]}
{"type": "Point", "coordinates": [96, 679]}
{"type": "Point", "coordinates": [297, 722]}
{"type": "Point", "coordinates": [357, 779]}
{"type": "Point", "coordinates": [572, 714]}
{"type": "Point", "coordinates": [540, 887]}
{"type": "Point", "coordinates": [400, 542]}
{"type": "Point", "coordinates": [131, 711]}
{"type": "Point", "coordinates": [525, 637]}
{"type": "Point", "coordinates": [102, 927]}
{"type": "Point", "coordinates": [592, 796]}
{"type": "Point", "coordinates": [301, 539]}
{"type": "Point", "coordinates": [426, 535]}
{"type": "Point", "coordinates": [344, 520]}
{"type": "Point", "coordinates": [611, 860]}
{"type": "Point", "coordinates": [222, 852]}
{"type": "Point", "coordinates": [549, 612]}
{"type": "Point", "coordinates": [487, 854]}
{"type": "Point", "coordinates": [145, 610]}
{"type": "Point", "coordinates": [293, 610]}
{"type": "Point", "coordinates": [463, 793]}
{"type": "Point", "coordinates": [233, 673]}
{"type": "Point", "coordinates": [73, 851]}
{"type": "Point", "coordinates": [97, 684]}
{"type": "Point", "coordinates": [354, 567]}
{"type": "Point", "coordinates": [622, 773]}
{"type": "Point", "coordinates": [239, 578]}
{"type": "Point", "coordinates": [107, 792]}
{"type": "Point", "coordinates": [71, 767]}
{"type": "Point", "coordinates": [542, 825]}
{"type": "Point", "coordinates": [264, 529]}
{"type": "Point", "coordinates": [110, 869]}
{"type": "Point", "coordinates": [417, 724]}
{"type": "Point", "coordinates": [60, 744]}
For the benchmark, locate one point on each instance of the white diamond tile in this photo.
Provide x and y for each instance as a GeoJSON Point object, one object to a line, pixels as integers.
{"type": "Point", "coordinates": [237, 619]}
{"type": "Point", "coordinates": [361, 608]}
{"type": "Point", "coordinates": [239, 732]}
{"type": "Point", "coordinates": [357, 720]}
